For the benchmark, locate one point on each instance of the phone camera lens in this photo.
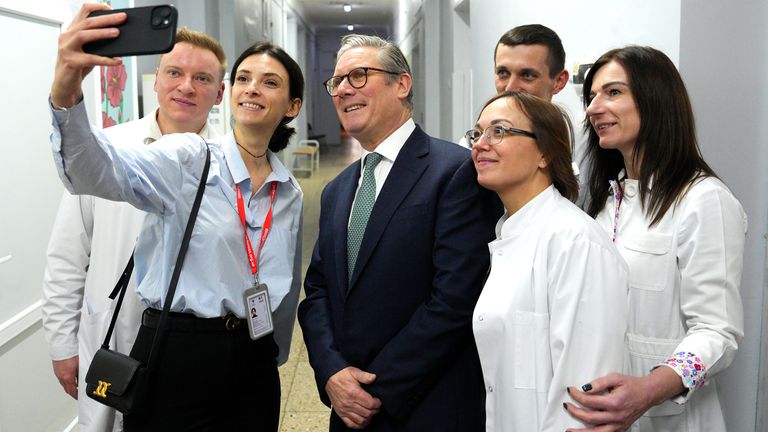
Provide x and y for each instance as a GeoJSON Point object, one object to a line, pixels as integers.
{"type": "Point", "coordinates": [161, 17]}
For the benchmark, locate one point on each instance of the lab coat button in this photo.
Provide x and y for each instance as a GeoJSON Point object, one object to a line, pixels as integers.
{"type": "Point", "coordinates": [630, 190]}
{"type": "Point", "coordinates": [481, 317]}
{"type": "Point", "coordinates": [500, 252]}
{"type": "Point", "coordinates": [490, 389]}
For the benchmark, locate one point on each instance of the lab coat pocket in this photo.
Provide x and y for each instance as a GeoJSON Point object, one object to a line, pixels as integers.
{"type": "Point", "coordinates": [645, 354]}
{"type": "Point", "coordinates": [648, 259]}
{"type": "Point", "coordinates": [91, 314]}
{"type": "Point", "coordinates": [93, 327]}
{"type": "Point", "coordinates": [532, 356]}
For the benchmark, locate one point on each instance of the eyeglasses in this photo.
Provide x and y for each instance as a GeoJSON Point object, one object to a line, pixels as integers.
{"type": "Point", "coordinates": [357, 78]}
{"type": "Point", "coordinates": [494, 134]}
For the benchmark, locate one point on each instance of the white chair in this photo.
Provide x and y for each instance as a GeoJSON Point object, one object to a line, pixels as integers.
{"type": "Point", "coordinates": [309, 149]}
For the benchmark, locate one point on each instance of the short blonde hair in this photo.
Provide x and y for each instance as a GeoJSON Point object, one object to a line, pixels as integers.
{"type": "Point", "coordinates": [204, 41]}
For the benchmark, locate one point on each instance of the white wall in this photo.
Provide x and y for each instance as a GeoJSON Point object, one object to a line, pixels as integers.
{"type": "Point", "coordinates": [324, 121]}
{"type": "Point", "coordinates": [462, 117]}
{"type": "Point", "coordinates": [431, 69]}
{"type": "Point", "coordinates": [724, 61]}
{"type": "Point", "coordinates": [31, 398]}
{"type": "Point", "coordinates": [294, 46]}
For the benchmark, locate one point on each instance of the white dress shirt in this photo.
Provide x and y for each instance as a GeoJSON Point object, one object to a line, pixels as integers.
{"type": "Point", "coordinates": [685, 308]}
{"type": "Point", "coordinates": [552, 314]}
{"type": "Point", "coordinates": [389, 149]}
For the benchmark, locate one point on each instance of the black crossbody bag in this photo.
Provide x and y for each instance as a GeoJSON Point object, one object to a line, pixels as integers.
{"type": "Point", "coordinates": [118, 380]}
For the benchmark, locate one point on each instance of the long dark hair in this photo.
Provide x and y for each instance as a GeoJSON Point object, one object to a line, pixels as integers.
{"type": "Point", "coordinates": [548, 123]}
{"type": "Point", "coordinates": [283, 132]}
{"type": "Point", "coordinates": [666, 146]}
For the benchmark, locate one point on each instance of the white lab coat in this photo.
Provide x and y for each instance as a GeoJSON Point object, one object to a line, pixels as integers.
{"type": "Point", "coordinates": [684, 277]}
{"type": "Point", "coordinates": [91, 242]}
{"type": "Point", "coordinates": [552, 314]}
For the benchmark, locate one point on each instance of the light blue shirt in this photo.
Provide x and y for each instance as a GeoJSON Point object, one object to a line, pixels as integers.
{"type": "Point", "coordinates": [162, 180]}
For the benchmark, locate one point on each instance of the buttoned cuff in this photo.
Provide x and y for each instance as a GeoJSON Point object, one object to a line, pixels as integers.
{"type": "Point", "coordinates": [63, 351]}
{"type": "Point", "coordinates": [60, 120]}
{"type": "Point", "coordinates": [691, 370]}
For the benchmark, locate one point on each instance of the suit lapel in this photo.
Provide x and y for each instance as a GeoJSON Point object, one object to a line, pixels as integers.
{"type": "Point", "coordinates": [405, 173]}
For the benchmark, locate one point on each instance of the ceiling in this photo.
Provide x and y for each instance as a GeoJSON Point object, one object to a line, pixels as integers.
{"type": "Point", "coordinates": [329, 14]}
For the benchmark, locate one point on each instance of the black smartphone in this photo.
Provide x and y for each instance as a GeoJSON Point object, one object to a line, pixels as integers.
{"type": "Point", "coordinates": [146, 30]}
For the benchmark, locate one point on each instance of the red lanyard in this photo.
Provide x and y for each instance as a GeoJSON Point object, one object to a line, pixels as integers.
{"type": "Point", "coordinates": [253, 260]}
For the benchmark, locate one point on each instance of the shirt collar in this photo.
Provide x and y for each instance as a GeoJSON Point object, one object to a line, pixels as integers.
{"type": "Point", "coordinates": [630, 187]}
{"type": "Point", "coordinates": [512, 225]}
{"type": "Point", "coordinates": [391, 146]}
{"type": "Point", "coordinates": [154, 133]}
{"type": "Point", "coordinates": [238, 169]}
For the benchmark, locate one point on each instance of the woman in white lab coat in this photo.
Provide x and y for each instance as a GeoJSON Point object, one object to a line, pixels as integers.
{"type": "Point", "coordinates": [681, 232]}
{"type": "Point", "coordinates": [553, 310]}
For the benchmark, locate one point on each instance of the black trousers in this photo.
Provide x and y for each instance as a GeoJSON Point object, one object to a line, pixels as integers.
{"type": "Point", "coordinates": [208, 378]}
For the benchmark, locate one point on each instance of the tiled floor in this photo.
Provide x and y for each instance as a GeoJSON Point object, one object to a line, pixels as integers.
{"type": "Point", "coordinates": [301, 409]}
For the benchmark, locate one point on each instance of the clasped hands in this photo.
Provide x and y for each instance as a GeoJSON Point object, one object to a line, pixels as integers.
{"type": "Point", "coordinates": [355, 406]}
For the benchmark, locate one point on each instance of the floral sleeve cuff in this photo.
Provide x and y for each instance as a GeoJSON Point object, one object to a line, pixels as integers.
{"type": "Point", "coordinates": [690, 368]}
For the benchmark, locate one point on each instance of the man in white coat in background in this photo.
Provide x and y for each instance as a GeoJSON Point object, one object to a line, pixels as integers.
{"type": "Point", "coordinates": [92, 238]}
{"type": "Point", "coordinates": [530, 59]}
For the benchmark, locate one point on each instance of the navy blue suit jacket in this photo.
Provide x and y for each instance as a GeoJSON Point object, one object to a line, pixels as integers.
{"type": "Point", "coordinates": [405, 315]}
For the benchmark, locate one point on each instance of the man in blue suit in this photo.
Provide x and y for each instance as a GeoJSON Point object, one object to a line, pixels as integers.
{"type": "Point", "coordinates": [399, 262]}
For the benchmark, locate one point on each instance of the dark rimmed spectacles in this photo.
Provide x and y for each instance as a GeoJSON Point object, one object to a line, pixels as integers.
{"type": "Point", "coordinates": [494, 134]}
{"type": "Point", "coordinates": [357, 78]}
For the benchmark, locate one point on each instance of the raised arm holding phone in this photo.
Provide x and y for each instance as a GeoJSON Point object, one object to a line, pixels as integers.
{"type": "Point", "coordinates": [209, 349]}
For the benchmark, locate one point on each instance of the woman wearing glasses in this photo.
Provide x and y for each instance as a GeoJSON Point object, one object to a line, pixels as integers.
{"type": "Point", "coordinates": [553, 310]}
{"type": "Point", "coordinates": [680, 230]}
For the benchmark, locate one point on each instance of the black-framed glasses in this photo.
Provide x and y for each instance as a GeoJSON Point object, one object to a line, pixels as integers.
{"type": "Point", "coordinates": [494, 134]}
{"type": "Point", "coordinates": [357, 78]}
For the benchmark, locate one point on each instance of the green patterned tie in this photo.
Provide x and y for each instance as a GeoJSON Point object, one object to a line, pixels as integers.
{"type": "Point", "coordinates": [361, 211]}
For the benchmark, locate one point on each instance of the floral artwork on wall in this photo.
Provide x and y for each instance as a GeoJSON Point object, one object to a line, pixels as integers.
{"type": "Point", "coordinates": [117, 85]}
{"type": "Point", "coordinates": [112, 90]}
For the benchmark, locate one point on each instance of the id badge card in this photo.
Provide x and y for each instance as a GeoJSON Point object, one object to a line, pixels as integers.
{"type": "Point", "coordinates": [258, 312]}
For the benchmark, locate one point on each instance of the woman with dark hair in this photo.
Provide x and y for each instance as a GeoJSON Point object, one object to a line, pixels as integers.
{"type": "Point", "coordinates": [218, 367]}
{"type": "Point", "coordinates": [553, 310]}
{"type": "Point", "coordinates": [680, 230]}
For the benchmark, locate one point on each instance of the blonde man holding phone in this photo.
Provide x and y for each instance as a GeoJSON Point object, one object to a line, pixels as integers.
{"type": "Point", "coordinates": [92, 238]}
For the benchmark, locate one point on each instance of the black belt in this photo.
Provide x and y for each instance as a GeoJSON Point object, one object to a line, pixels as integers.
{"type": "Point", "coordinates": [188, 322]}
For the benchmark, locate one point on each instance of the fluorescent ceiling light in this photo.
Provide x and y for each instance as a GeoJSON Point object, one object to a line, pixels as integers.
{"type": "Point", "coordinates": [350, 27]}
{"type": "Point", "coordinates": [347, 8]}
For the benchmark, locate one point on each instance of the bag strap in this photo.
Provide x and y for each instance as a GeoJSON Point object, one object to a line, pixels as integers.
{"type": "Point", "coordinates": [160, 330]}
{"type": "Point", "coordinates": [122, 283]}
{"type": "Point", "coordinates": [120, 288]}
